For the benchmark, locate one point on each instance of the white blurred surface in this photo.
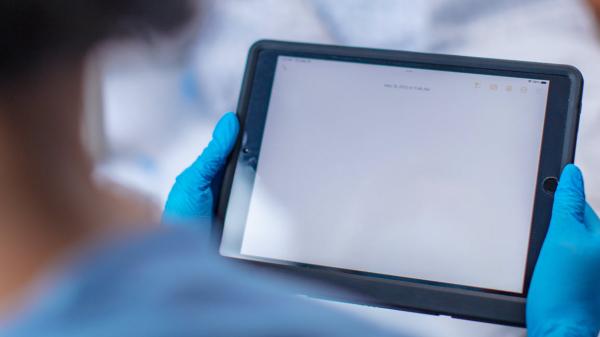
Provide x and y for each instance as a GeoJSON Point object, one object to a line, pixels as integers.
{"type": "Point", "coordinates": [159, 116]}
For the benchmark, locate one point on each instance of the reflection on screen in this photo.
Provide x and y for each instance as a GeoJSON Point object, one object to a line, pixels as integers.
{"type": "Point", "coordinates": [414, 173]}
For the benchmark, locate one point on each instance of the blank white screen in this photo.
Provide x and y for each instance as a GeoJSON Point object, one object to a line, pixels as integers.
{"type": "Point", "coordinates": [408, 172]}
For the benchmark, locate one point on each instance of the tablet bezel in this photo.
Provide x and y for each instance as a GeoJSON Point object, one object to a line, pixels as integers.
{"type": "Point", "coordinates": [558, 147]}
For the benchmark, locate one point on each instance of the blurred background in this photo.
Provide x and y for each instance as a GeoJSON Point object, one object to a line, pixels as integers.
{"type": "Point", "coordinates": [151, 108]}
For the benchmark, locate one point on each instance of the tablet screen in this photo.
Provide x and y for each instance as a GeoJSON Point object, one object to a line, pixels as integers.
{"type": "Point", "coordinates": [406, 172]}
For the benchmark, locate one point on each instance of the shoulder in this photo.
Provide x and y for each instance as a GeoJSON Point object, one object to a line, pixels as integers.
{"type": "Point", "coordinates": [168, 283]}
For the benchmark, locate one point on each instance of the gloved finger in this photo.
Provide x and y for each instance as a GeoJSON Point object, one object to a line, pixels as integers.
{"type": "Point", "coordinates": [569, 199]}
{"type": "Point", "coordinates": [592, 222]}
{"type": "Point", "coordinates": [201, 173]}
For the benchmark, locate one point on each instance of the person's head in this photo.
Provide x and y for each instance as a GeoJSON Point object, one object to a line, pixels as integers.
{"type": "Point", "coordinates": [44, 45]}
{"type": "Point", "coordinates": [44, 172]}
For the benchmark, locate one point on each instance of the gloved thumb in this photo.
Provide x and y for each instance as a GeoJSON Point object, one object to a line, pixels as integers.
{"type": "Point", "coordinates": [191, 198]}
{"type": "Point", "coordinates": [202, 172]}
{"type": "Point", "coordinates": [569, 199]}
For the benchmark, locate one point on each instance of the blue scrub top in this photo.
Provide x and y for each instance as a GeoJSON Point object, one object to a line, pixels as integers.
{"type": "Point", "coordinates": [167, 284]}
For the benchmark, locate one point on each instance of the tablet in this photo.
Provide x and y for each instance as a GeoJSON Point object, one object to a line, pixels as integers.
{"type": "Point", "coordinates": [414, 181]}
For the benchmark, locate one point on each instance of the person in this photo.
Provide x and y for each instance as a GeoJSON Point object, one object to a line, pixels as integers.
{"type": "Point", "coordinates": [74, 265]}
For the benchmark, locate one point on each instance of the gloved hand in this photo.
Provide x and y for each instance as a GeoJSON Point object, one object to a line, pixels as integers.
{"type": "Point", "coordinates": [191, 199]}
{"type": "Point", "coordinates": [564, 296]}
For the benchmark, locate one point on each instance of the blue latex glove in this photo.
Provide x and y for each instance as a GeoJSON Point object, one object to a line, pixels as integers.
{"type": "Point", "coordinates": [564, 297]}
{"type": "Point", "coordinates": [191, 199]}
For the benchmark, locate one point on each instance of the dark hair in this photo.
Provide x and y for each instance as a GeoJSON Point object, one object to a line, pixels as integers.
{"type": "Point", "coordinates": [33, 31]}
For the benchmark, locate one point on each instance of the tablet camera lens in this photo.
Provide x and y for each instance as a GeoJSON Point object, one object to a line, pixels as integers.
{"type": "Point", "coordinates": [550, 184]}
